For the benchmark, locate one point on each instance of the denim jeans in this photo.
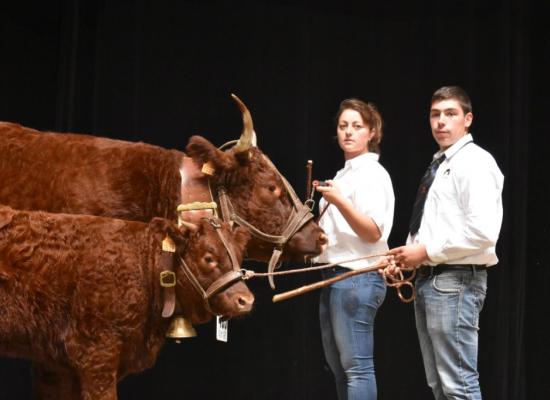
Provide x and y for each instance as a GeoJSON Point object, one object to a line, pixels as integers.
{"type": "Point", "coordinates": [447, 308]}
{"type": "Point", "coordinates": [347, 309]}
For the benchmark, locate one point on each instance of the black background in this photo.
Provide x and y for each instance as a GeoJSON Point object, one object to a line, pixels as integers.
{"type": "Point", "coordinates": [161, 71]}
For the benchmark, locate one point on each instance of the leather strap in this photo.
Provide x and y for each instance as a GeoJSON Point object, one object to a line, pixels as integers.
{"type": "Point", "coordinates": [168, 283]}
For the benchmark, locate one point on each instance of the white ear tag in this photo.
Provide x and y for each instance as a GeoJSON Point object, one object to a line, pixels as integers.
{"type": "Point", "coordinates": [221, 329]}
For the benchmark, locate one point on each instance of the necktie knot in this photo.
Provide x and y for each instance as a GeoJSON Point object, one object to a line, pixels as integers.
{"type": "Point", "coordinates": [423, 189]}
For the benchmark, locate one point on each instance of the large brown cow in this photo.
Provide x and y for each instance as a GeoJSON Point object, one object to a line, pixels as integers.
{"type": "Point", "coordinates": [82, 174]}
{"type": "Point", "coordinates": [80, 295]}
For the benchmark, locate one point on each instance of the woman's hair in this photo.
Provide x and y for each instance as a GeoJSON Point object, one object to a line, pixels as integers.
{"type": "Point", "coordinates": [454, 93]}
{"type": "Point", "coordinates": [371, 117]}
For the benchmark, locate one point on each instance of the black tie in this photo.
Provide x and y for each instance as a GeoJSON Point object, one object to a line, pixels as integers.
{"type": "Point", "coordinates": [423, 189]}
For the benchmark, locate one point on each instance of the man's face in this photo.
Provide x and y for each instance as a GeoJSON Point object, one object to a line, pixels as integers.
{"type": "Point", "coordinates": [448, 122]}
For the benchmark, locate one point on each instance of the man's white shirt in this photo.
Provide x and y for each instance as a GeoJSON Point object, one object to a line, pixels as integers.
{"type": "Point", "coordinates": [463, 210]}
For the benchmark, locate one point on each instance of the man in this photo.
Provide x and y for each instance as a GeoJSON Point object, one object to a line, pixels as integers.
{"type": "Point", "coordinates": [454, 229]}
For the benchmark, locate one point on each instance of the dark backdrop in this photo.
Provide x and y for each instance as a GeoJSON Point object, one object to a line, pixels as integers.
{"type": "Point", "coordinates": [161, 71]}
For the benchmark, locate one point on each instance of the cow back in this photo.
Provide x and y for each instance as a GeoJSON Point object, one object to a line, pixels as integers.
{"type": "Point", "coordinates": [83, 174]}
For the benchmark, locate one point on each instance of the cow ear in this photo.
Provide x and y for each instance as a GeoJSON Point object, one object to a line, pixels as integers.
{"type": "Point", "coordinates": [242, 236]}
{"type": "Point", "coordinates": [6, 215]}
{"type": "Point", "coordinates": [162, 227]}
{"type": "Point", "coordinates": [202, 151]}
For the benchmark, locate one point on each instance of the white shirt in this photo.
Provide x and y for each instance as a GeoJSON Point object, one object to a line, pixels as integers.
{"type": "Point", "coordinates": [463, 210]}
{"type": "Point", "coordinates": [367, 185]}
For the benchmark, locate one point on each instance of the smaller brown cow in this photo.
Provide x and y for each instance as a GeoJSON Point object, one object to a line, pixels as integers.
{"type": "Point", "coordinates": [80, 295]}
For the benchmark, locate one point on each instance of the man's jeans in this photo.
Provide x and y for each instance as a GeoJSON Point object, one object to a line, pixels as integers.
{"type": "Point", "coordinates": [447, 308]}
{"type": "Point", "coordinates": [347, 309]}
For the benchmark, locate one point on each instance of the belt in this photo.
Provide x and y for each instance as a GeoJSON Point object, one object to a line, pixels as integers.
{"type": "Point", "coordinates": [438, 269]}
{"type": "Point", "coordinates": [336, 268]}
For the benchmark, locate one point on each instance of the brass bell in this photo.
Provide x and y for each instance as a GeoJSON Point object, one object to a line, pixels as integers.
{"type": "Point", "coordinates": [180, 328]}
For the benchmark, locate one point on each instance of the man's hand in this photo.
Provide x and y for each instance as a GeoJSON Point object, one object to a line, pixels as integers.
{"type": "Point", "coordinates": [409, 256]}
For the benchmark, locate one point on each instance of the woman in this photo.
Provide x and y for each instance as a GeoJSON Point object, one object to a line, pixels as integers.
{"type": "Point", "coordinates": [358, 218]}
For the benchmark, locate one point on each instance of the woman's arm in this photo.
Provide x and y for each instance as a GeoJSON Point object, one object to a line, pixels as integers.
{"type": "Point", "coordinates": [363, 225]}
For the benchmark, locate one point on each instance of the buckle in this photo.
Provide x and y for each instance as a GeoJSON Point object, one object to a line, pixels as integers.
{"type": "Point", "coordinates": [167, 279]}
{"type": "Point", "coordinates": [214, 222]}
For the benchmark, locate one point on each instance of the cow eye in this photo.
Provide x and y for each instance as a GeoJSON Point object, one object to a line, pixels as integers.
{"type": "Point", "coordinates": [272, 188]}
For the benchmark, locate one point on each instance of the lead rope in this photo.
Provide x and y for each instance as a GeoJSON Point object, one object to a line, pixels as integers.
{"type": "Point", "coordinates": [390, 280]}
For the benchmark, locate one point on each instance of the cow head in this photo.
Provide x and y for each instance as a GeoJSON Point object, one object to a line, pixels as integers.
{"type": "Point", "coordinates": [259, 196]}
{"type": "Point", "coordinates": [205, 249]}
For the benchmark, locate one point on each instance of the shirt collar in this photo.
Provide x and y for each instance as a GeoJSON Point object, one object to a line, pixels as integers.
{"type": "Point", "coordinates": [361, 160]}
{"type": "Point", "coordinates": [451, 151]}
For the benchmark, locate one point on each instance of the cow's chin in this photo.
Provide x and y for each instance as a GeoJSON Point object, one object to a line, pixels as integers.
{"type": "Point", "coordinates": [227, 315]}
{"type": "Point", "coordinates": [234, 304]}
{"type": "Point", "coordinates": [301, 248]}
{"type": "Point", "coordinates": [304, 256]}
{"type": "Point", "coordinates": [290, 253]}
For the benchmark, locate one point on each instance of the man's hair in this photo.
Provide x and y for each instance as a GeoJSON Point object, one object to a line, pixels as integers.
{"type": "Point", "coordinates": [456, 93]}
{"type": "Point", "coordinates": [371, 117]}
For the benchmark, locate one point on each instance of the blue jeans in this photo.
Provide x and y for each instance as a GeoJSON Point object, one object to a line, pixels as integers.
{"type": "Point", "coordinates": [347, 309]}
{"type": "Point", "coordinates": [447, 308]}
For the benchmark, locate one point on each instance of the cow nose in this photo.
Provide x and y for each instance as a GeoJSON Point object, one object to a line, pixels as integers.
{"type": "Point", "coordinates": [245, 302]}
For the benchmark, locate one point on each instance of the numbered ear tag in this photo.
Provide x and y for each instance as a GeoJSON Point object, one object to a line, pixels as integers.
{"type": "Point", "coordinates": [221, 329]}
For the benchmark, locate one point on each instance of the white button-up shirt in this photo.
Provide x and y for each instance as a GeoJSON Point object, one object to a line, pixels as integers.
{"type": "Point", "coordinates": [463, 210]}
{"type": "Point", "coordinates": [367, 185]}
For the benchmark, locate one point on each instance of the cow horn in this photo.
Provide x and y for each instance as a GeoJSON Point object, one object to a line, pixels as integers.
{"type": "Point", "coordinates": [189, 225]}
{"type": "Point", "coordinates": [248, 136]}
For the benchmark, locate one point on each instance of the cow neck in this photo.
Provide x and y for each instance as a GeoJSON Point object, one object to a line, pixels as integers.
{"type": "Point", "coordinates": [196, 201]}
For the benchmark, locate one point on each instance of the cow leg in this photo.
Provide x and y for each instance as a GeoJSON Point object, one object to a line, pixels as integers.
{"type": "Point", "coordinates": [53, 383]}
{"type": "Point", "coordinates": [96, 365]}
{"type": "Point", "coordinates": [98, 385]}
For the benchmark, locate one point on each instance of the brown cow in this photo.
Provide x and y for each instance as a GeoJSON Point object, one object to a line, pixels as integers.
{"type": "Point", "coordinates": [82, 174]}
{"type": "Point", "coordinates": [80, 295]}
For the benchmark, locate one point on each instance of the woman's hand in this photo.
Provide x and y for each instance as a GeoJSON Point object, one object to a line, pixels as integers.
{"type": "Point", "coordinates": [329, 190]}
{"type": "Point", "coordinates": [363, 225]}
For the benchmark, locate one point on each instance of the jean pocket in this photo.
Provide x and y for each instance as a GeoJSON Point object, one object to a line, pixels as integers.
{"type": "Point", "coordinates": [479, 300]}
{"type": "Point", "coordinates": [447, 283]}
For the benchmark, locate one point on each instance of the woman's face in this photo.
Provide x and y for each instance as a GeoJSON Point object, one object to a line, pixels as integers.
{"type": "Point", "coordinates": [353, 134]}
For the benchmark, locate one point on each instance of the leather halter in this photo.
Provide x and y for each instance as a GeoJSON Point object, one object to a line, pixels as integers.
{"type": "Point", "coordinates": [299, 216]}
{"type": "Point", "coordinates": [220, 284]}
{"type": "Point", "coordinates": [224, 281]}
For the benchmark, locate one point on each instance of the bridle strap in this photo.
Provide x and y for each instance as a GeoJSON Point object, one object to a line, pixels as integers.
{"type": "Point", "coordinates": [229, 278]}
{"type": "Point", "coordinates": [299, 216]}
{"type": "Point", "coordinates": [224, 281]}
{"type": "Point", "coordinates": [296, 220]}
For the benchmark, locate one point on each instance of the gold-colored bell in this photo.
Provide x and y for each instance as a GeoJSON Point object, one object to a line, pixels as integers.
{"type": "Point", "coordinates": [180, 328]}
